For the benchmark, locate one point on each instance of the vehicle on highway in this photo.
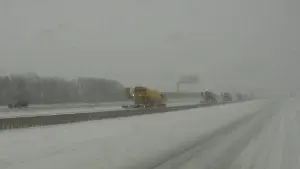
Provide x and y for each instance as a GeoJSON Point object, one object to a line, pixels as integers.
{"type": "Point", "coordinates": [226, 97]}
{"type": "Point", "coordinates": [209, 97]}
{"type": "Point", "coordinates": [18, 104]}
{"type": "Point", "coordinates": [144, 97]}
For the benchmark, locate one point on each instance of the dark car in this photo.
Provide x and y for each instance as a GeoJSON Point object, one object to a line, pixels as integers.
{"type": "Point", "coordinates": [18, 104]}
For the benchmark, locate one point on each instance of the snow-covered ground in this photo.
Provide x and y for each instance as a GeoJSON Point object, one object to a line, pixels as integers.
{"type": "Point", "coordinates": [77, 109]}
{"type": "Point", "coordinates": [130, 143]}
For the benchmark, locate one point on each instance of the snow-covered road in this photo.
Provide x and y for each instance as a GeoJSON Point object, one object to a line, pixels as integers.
{"type": "Point", "coordinates": [256, 134]}
{"type": "Point", "coordinates": [78, 108]}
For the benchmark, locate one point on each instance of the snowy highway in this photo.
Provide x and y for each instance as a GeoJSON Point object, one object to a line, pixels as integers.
{"type": "Point", "coordinates": [77, 108]}
{"type": "Point", "coordinates": [259, 134]}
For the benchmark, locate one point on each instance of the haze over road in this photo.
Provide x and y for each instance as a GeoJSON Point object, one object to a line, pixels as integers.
{"type": "Point", "coordinates": [249, 46]}
{"type": "Point", "coordinates": [246, 45]}
{"type": "Point", "coordinates": [260, 134]}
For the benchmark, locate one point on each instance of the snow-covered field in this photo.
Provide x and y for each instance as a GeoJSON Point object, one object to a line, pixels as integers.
{"type": "Point", "coordinates": [134, 142]}
{"type": "Point", "coordinates": [78, 108]}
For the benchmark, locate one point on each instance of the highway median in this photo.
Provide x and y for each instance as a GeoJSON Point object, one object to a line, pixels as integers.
{"type": "Point", "coordinates": [45, 120]}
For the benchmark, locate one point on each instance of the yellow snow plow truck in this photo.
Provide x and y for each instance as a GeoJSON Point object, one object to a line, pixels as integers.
{"type": "Point", "coordinates": [143, 97]}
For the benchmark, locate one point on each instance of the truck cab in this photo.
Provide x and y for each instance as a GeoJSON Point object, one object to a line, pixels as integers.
{"type": "Point", "coordinates": [145, 97]}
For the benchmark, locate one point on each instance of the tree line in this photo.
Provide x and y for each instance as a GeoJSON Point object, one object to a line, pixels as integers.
{"type": "Point", "coordinates": [47, 90]}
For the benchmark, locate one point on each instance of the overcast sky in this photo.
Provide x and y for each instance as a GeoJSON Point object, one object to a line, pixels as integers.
{"type": "Point", "coordinates": [229, 43]}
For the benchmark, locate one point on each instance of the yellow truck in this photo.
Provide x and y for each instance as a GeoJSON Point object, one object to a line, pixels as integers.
{"type": "Point", "coordinates": [145, 97]}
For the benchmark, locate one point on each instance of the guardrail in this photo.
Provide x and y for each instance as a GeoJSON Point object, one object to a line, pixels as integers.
{"type": "Point", "coordinates": [44, 120]}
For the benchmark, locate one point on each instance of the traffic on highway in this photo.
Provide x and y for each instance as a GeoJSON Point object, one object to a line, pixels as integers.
{"type": "Point", "coordinates": [149, 84]}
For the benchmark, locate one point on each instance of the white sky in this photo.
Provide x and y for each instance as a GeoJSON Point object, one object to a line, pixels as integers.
{"type": "Point", "coordinates": [230, 44]}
